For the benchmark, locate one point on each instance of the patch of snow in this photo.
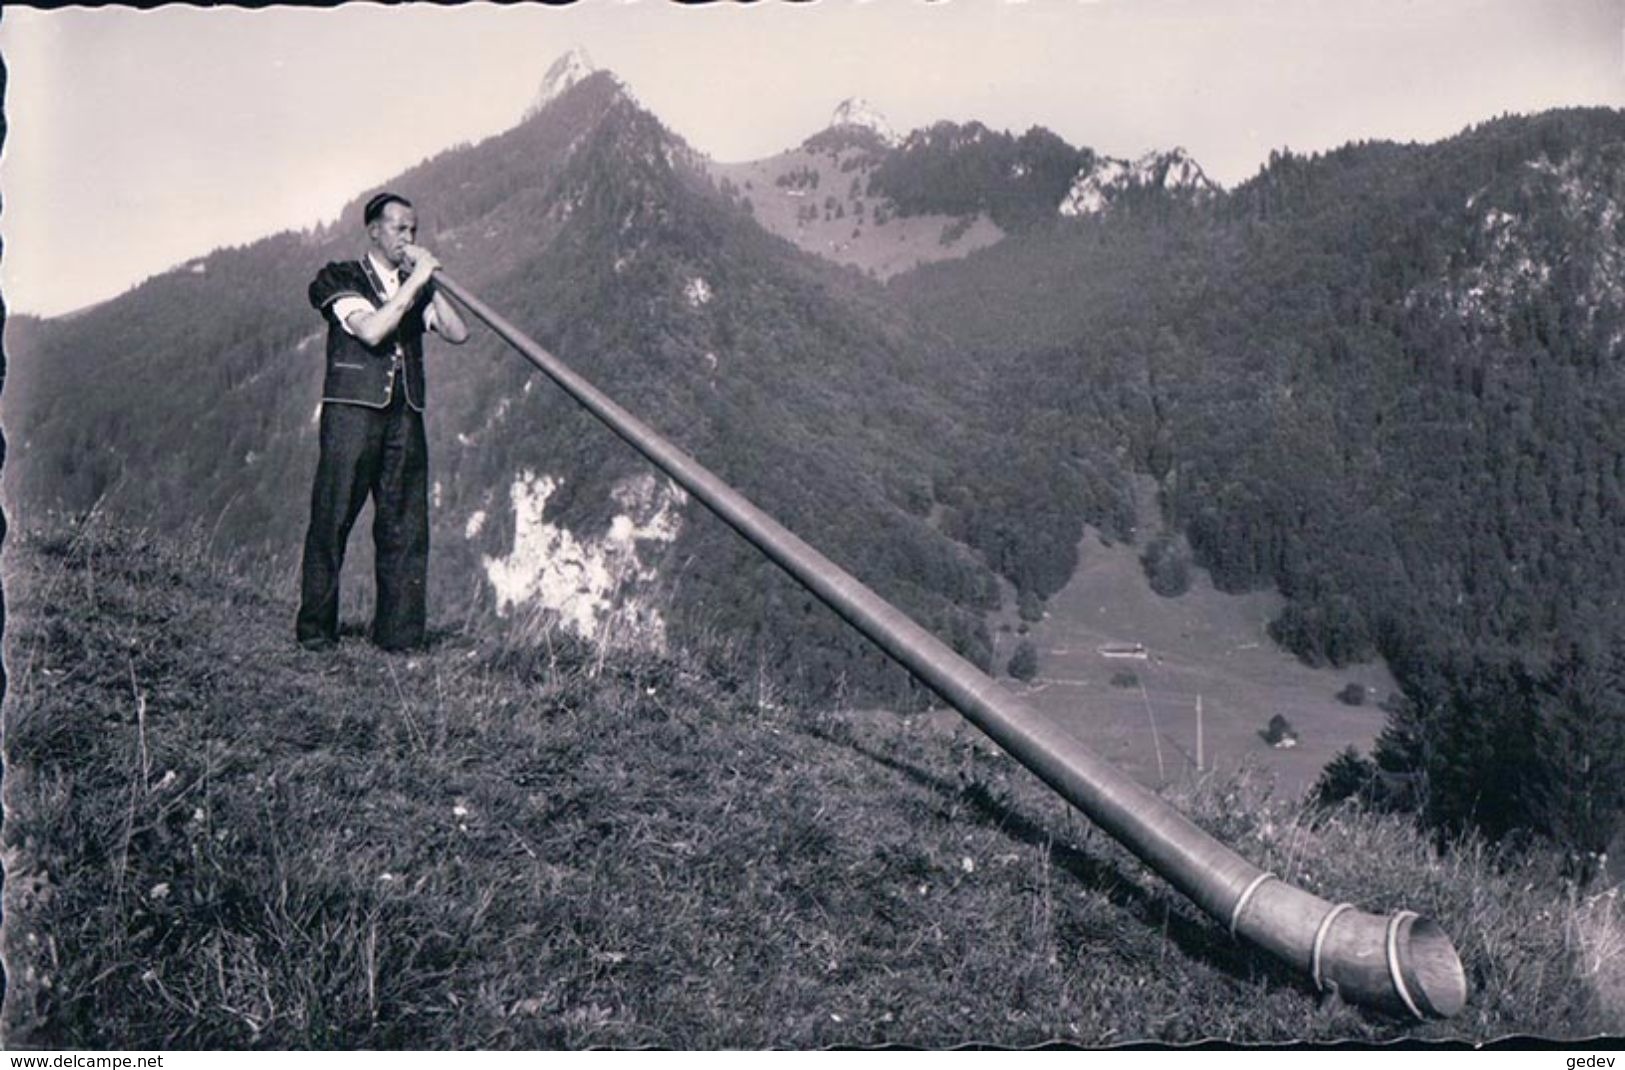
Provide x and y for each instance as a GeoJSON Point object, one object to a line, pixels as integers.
{"type": "Point", "coordinates": [197, 267]}
{"type": "Point", "coordinates": [464, 440]}
{"type": "Point", "coordinates": [476, 522]}
{"type": "Point", "coordinates": [590, 583]}
{"type": "Point", "coordinates": [698, 292]}
{"type": "Point", "coordinates": [434, 494]}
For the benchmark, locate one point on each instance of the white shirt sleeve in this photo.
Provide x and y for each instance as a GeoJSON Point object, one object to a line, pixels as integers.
{"type": "Point", "coordinates": [345, 307]}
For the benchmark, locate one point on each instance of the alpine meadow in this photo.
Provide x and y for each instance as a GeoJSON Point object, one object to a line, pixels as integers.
{"type": "Point", "coordinates": [644, 790]}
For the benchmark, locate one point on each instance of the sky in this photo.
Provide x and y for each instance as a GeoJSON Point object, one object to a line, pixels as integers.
{"type": "Point", "coordinates": [140, 139]}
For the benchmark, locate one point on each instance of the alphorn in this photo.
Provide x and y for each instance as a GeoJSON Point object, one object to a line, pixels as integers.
{"type": "Point", "coordinates": [1401, 962]}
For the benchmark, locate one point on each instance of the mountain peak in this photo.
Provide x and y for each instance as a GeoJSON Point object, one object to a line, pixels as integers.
{"type": "Point", "coordinates": [855, 111]}
{"type": "Point", "coordinates": [570, 68]}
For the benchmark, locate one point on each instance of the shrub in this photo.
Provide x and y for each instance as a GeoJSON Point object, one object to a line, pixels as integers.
{"type": "Point", "coordinates": [1125, 678]}
{"type": "Point", "coordinates": [1279, 731]}
{"type": "Point", "coordinates": [1024, 662]}
{"type": "Point", "coordinates": [1167, 564]}
{"type": "Point", "coordinates": [1352, 695]}
{"type": "Point", "coordinates": [1347, 776]}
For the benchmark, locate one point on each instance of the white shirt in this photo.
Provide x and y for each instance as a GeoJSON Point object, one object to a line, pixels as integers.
{"type": "Point", "coordinates": [345, 307]}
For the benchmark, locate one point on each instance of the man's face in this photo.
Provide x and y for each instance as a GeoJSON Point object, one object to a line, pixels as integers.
{"type": "Point", "coordinates": [393, 230]}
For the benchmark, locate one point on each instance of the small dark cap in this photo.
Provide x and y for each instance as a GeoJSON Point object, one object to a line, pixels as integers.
{"type": "Point", "coordinates": [375, 207]}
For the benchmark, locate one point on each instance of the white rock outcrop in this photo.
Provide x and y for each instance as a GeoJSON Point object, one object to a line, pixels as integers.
{"type": "Point", "coordinates": [855, 111]}
{"type": "Point", "coordinates": [1173, 171]}
{"type": "Point", "coordinates": [565, 72]}
{"type": "Point", "coordinates": [598, 586]}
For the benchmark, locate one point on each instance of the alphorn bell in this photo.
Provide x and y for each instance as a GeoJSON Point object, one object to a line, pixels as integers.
{"type": "Point", "coordinates": [1401, 962]}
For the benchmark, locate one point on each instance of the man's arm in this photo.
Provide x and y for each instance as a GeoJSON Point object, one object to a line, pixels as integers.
{"type": "Point", "coordinates": [448, 322]}
{"type": "Point", "coordinates": [373, 326]}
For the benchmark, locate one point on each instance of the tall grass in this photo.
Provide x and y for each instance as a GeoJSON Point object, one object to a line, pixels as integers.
{"type": "Point", "coordinates": [518, 838]}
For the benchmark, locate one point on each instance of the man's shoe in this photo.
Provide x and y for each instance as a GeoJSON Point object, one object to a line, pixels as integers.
{"type": "Point", "coordinates": [415, 645]}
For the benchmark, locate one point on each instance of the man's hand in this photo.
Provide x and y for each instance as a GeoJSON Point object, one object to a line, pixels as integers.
{"type": "Point", "coordinates": [423, 264]}
{"type": "Point", "coordinates": [446, 322]}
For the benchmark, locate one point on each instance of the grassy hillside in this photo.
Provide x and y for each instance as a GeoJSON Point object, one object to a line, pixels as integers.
{"type": "Point", "coordinates": [215, 839]}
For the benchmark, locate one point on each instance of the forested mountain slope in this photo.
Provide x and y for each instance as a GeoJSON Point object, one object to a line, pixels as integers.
{"type": "Point", "coordinates": [1386, 380]}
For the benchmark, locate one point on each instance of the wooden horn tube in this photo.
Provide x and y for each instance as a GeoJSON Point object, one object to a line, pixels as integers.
{"type": "Point", "coordinates": [1403, 963]}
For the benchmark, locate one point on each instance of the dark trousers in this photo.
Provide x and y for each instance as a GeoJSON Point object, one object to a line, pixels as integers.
{"type": "Point", "coordinates": [382, 453]}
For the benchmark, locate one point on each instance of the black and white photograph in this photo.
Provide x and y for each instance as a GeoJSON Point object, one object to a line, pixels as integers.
{"type": "Point", "coordinates": [844, 524]}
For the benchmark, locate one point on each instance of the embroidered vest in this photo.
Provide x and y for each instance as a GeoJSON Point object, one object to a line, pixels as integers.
{"type": "Point", "coordinates": [359, 374]}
